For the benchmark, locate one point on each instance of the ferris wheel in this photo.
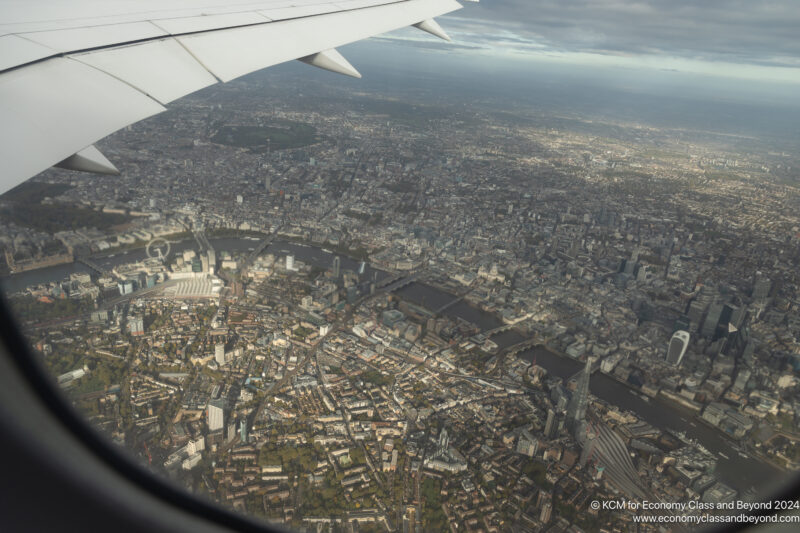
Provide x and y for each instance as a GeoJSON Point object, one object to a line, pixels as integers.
{"type": "Point", "coordinates": [158, 248]}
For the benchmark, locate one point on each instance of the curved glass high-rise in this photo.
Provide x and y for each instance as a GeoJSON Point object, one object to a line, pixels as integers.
{"type": "Point", "coordinates": [677, 347]}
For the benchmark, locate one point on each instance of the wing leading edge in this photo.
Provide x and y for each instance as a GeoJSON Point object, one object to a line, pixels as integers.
{"type": "Point", "coordinates": [67, 83]}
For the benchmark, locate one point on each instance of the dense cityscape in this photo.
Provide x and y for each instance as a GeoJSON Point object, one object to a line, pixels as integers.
{"type": "Point", "coordinates": [351, 311]}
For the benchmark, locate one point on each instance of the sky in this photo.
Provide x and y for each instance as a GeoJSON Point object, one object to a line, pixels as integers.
{"type": "Point", "coordinates": [730, 67]}
{"type": "Point", "coordinates": [752, 40]}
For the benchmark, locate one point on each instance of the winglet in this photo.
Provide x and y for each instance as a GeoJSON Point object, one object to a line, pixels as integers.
{"type": "Point", "coordinates": [89, 160]}
{"type": "Point", "coordinates": [331, 60]}
{"type": "Point", "coordinates": [432, 27]}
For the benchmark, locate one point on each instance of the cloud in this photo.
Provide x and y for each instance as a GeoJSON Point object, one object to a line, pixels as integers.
{"type": "Point", "coordinates": [756, 32]}
{"type": "Point", "coordinates": [435, 45]}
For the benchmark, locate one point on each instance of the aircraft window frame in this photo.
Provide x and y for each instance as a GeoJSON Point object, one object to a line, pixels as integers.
{"type": "Point", "coordinates": [18, 350]}
{"type": "Point", "coordinates": [785, 486]}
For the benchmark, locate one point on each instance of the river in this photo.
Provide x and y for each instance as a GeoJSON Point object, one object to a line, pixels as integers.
{"type": "Point", "coordinates": [308, 254]}
{"type": "Point", "coordinates": [737, 471]}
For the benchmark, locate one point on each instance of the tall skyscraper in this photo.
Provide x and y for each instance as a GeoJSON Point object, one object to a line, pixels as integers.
{"type": "Point", "coordinates": [290, 262]}
{"type": "Point", "coordinates": [337, 266]}
{"type": "Point", "coordinates": [352, 293]}
{"type": "Point", "coordinates": [550, 426]}
{"type": "Point", "coordinates": [741, 379]}
{"type": "Point", "coordinates": [630, 266]}
{"type": "Point", "coordinates": [699, 305]}
{"type": "Point", "coordinates": [216, 415]}
{"type": "Point", "coordinates": [219, 353]}
{"type": "Point", "coordinates": [677, 347]}
{"type": "Point", "coordinates": [243, 430]}
{"type": "Point", "coordinates": [527, 444]}
{"type": "Point", "coordinates": [576, 408]}
{"type": "Point", "coordinates": [695, 313]}
{"type": "Point", "coordinates": [761, 287]}
{"type": "Point", "coordinates": [712, 319]}
{"type": "Point", "coordinates": [546, 513]}
{"type": "Point", "coordinates": [735, 340]}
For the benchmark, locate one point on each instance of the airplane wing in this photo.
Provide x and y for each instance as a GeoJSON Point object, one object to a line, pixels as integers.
{"type": "Point", "coordinates": [72, 73]}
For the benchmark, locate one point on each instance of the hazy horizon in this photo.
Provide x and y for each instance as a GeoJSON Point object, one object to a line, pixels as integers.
{"type": "Point", "coordinates": [664, 99]}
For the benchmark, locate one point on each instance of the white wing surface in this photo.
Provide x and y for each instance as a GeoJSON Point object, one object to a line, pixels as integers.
{"type": "Point", "coordinates": [74, 72]}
